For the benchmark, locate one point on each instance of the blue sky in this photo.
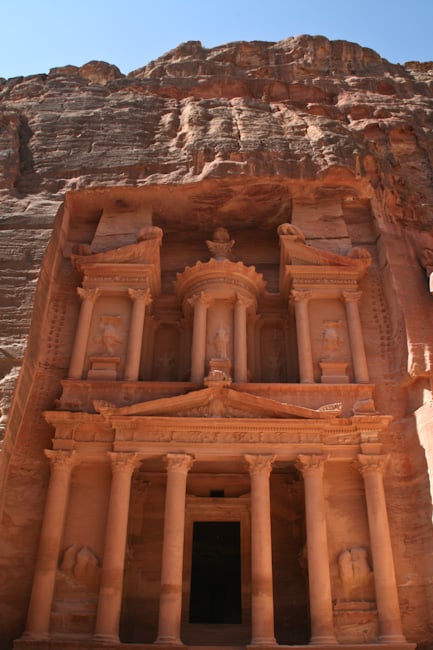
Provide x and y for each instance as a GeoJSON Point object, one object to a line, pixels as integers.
{"type": "Point", "coordinates": [39, 35]}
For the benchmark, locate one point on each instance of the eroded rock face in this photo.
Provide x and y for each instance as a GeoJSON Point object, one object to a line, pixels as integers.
{"type": "Point", "coordinates": [326, 136]}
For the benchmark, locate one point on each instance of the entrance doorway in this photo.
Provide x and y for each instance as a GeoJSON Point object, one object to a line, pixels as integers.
{"type": "Point", "coordinates": [215, 592]}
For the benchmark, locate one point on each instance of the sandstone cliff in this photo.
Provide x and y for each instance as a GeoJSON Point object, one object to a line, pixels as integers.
{"type": "Point", "coordinates": [254, 131]}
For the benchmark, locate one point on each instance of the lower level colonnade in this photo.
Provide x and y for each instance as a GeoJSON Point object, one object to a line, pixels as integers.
{"type": "Point", "coordinates": [178, 465]}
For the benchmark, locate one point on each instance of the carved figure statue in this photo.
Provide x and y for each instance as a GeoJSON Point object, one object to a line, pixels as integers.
{"type": "Point", "coordinates": [293, 231]}
{"type": "Point", "coordinates": [149, 232]}
{"type": "Point", "coordinates": [80, 562]}
{"type": "Point", "coordinates": [332, 339]}
{"type": "Point", "coordinates": [110, 337]}
{"type": "Point", "coordinates": [221, 245]}
{"type": "Point", "coordinates": [353, 566]}
{"type": "Point", "coordinates": [221, 343]}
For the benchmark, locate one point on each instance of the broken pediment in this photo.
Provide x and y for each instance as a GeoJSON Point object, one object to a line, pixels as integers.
{"type": "Point", "coordinates": [302, 264]}
{"type": "Point", "coordinates": [130, 264]}
{"type": "Point", "coordinates": [219, 401]}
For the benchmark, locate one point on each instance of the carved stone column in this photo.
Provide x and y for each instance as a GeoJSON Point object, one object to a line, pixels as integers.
{"type": "Point", "coordinates": [170, 604]}
{"type": "Point", "coordinates": [360, 368]}
{"type": "Point", "coordinates": [89, 297]}
{"type": "Point", "coordinates": [198, 351]}
{"type": "Point", "coordinates": [140, 299]}
{"type": "Point", "coordinates": [111, 585]}
{"type": "Point", "coordinates": [240, 339]}
{"type": "Point", "coordinates": [39, 611]}
{"type": "Point", "coordinates": [262, 604]}
{"type": "Point", "coordinates": [321, 613]}
{"type": "Point", "coordinates": [305, 355]}
{"type": "Point", "coordinates": [372, 468]}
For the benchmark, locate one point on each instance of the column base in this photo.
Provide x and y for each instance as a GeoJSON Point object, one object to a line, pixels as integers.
{"type": "Point", "coordinates": [108, 639]}
{"type": "Point", "coordinates": [167, 640]}
{"type": "Point", "coordinates": [392, 638]}
{"type": "Point", "coordinates": [263, 641]}
{"type": "Point", "coordinates": [35, 636]}
{"type": "Point", "coordinates": [323, 640]}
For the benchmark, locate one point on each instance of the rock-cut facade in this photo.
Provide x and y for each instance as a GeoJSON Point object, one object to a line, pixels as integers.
{"type": "Point", "coordinates": [216, 398]}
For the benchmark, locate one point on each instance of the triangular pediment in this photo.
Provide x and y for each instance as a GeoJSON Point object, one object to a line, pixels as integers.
{"type": "Point", "coordinates": [219, 401]}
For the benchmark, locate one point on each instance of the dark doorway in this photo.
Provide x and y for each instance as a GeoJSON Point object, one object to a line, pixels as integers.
{"type": "Point", "coordinates": [215, 595]}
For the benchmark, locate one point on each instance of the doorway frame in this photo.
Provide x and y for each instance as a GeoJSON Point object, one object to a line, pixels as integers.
{"type": "Point", "coordinates": [218, 509]}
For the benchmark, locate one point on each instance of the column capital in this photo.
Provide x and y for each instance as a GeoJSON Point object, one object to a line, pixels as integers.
{"type": "Point", "coordinates": [301, 295]}
{"type": "Point", "coordinates": [60, 459]}
{"type": "Point", "coordinates": [309, 464]}
{"type": "Point", "coordinates": [88, 294]}
{"type": "Point", "coordinates": [201, 298]}
{"type": "Point", "coordinates": [243, 301]}
{"type": "Point", "coordinates": [122, 462]}
{"type": "Point", "coordinates": [351, 296]}
{"type": "Point", "coordinates": [180, 463]}
{"type": "Point", "coordinates": [371, 463]}
{"type": "Point", "coordinates": [140, 295]}
{"type": "Point", "coordinates": [259, 464]}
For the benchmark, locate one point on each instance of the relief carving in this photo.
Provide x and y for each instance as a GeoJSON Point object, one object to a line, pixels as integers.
{"type": "Point", "coordinates": [81, 563]}
{"type": "Point", "coordinates": [111, 336]}
{"type": "Point", "coordinates": [221, 343]}
{"type": "Point", "coordinates": [332, 339]}
{"type": "Point", "coordinates": [355, 574]}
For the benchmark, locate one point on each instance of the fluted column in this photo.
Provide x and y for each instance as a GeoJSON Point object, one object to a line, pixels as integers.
{"type": "Point", "coordinates": [39, 611]}
{"type": "Point", "coordinates": [390, 628]}
{"type": "Point", "coordinates": [111, 585]}
{"type": "Point", "coordinates": [88, 297]}
{"type": "Point", "coordinates": [140, 299]}
{"type": "Point", "coordinates": [321, 613]}
{"type": "Point", "coordinates": [170, 604]}
{"type": "Point", "coordinates": [360, 368]}
{"type": "Point", "coordinates": [240, 339]}
{"type": "Point", "coordinates": [198, 351]}
{"type": "Point", "coordinates": [305, 355]}
{"type": "Point", "coordinates": [262, 604]}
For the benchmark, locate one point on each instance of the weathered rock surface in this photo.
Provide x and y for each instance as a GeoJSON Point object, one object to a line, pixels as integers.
{"type": "Point", "coordinates": [328, 135]}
